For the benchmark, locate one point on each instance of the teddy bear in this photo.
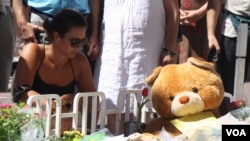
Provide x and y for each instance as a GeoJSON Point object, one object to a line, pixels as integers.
{"type": "Point", "coordinates": [180, 90]}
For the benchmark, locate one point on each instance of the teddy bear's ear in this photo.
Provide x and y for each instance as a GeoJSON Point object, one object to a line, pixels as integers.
{"type": "Point", "coordinates": [201, 63]}
{"type": "Point", "coordinates": [151, 79]}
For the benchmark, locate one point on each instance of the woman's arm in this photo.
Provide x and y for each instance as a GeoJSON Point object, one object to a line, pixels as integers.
{"type": "Point", "coordinates": [27, 66]}
{"type": "Point", "coordinates": [85, 82]}
{"type": "Point", "coordinates": [213, 11]}
{"type": "Point", "coordinates": [172, 27]}
{"type": "Point", "coordinates": [25, 28]}
{"type": "Point", "coordinates": [94, 24]}
{"type": "Point", "coordinates": [192, 16]}
{"type": "Point", "coordinates": [84, 77]}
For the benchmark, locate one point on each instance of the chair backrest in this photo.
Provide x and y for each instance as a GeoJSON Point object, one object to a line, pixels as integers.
{"type": "Point", "coordinates": [229, 96]}
{"type": "Point", "coordinates": [124, 105]}
{"type": "Point", "coordinates": [95, 112]}
{"type": "Point", "coordinates": [38, 100]}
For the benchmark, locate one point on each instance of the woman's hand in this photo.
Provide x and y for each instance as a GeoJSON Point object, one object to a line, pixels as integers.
{"type": "Point", "coordinates": [212, 43]}
{"type": "Point", "coordinates": [67, 98]}
{"type": "Point", "coordinates": [189, 17]}
{"type": "Point", "coordinates": [93, 48]}
{"type": "Point", "coordinates": [166, 59]}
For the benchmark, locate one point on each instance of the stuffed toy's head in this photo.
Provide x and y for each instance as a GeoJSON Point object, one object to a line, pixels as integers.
{"type": "Point", "coordinates": [183, 89]}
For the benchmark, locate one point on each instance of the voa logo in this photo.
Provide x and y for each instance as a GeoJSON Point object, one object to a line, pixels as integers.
{"type": "Point", "coordinates": [236, 132]}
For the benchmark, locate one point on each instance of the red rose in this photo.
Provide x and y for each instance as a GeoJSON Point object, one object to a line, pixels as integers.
{"type": "Point", "coordinates": [145, 92]}
{"type": "Point", "coordinates": [237, 104]}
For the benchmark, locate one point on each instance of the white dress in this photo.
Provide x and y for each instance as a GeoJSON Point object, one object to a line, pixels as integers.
{"type": "Point", "coordinates": [133, 37]}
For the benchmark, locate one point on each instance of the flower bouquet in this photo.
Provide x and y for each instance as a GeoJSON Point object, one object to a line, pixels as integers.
{"type": "Point", "coordinates": [68, 136]}
{"type": "Point", "coordinates": [240, 110]}
{"type": "Point", "coordinates": [19, 122]}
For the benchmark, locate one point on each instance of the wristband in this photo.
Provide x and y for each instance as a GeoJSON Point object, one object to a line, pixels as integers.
{"type": "Point", "coordinates": [169, 52]}
{"type": "Point", "coordinates": [20, 90]}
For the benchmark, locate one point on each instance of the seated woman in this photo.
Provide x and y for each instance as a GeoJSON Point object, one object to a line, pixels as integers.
{"type": "Point", "coordinates": [58, 67]}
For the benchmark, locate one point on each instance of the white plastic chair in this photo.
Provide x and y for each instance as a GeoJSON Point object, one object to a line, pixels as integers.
{"type": "Point", "coordinates": [124, 105]}
{"type": "Point", "coordinates": [37, 99]}
{"type": "Point", "coordinates": [74, 114]}
{"type": "Point", "coordinates": [229, 96]}
{"type": "Point", "coordinates": [101, 111]}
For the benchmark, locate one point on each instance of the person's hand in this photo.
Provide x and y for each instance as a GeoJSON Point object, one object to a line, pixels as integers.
{"type": "Point", "coordinates": [166, 59]}
{"type": "Point", "coordinates": [212, 43]}
{"type": "Point", "coordinates": [93, 48]}
{"type": "Point", "coordinates": [67, 98]}
{"type": "Point", "coordinates": [28, 30]}
{"type": "Point", "coordinates": [189, 17]}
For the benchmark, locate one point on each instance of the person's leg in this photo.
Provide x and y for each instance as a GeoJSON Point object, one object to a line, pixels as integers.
{"type": "Point", "coordinates": [226, 64]}
{"type": "Point", "coordinates": [7, 42]}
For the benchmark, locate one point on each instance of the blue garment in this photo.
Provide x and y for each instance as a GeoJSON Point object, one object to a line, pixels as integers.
{"type": "Point", "coordinates": [51, 7]}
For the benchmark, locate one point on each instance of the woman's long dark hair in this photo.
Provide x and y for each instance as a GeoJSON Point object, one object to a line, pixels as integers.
{"type": "Point", "coordinates": [63, 21]}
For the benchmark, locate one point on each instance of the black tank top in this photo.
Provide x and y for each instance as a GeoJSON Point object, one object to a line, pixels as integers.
{"type": "Point", "coordinates": [43, 88]}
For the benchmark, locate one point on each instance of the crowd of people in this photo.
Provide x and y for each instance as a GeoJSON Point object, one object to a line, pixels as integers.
{"type": "Point", "coordinates": [112, 45]}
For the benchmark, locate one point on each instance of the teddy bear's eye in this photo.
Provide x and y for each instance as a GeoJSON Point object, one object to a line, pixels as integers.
{"type": "Point", "coordinates": [171, 98]}
{"type": "Point", "coordinates": [195, 90]}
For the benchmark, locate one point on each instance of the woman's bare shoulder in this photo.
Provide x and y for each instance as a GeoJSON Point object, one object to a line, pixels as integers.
{"type": "Point", "coordinates": [32, 48]}
{"type": "Point", "coordinates": [80, 58]}
{"type": "Point", "coordinates": [80, 62]}
{"type": "Point", "coordinates": [32, 52]}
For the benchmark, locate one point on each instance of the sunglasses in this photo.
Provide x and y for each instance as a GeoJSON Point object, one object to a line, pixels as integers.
{"type": "Point", "coordinates": [76, 42]}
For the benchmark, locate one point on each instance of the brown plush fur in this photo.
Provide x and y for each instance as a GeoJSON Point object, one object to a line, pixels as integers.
{"type": "Point", "coordinates": [176, 85]}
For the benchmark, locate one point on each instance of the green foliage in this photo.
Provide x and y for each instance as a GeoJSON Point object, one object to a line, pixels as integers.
{"type": "Point", "coordinates": [12, 118]}
{"type": "Point", "coordinates": [142, 103]}
{"type": "Point", "coordinates": [69, 136]}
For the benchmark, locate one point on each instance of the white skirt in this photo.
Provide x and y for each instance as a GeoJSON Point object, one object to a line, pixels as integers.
{"type": "Point", "coordinates": [133, 36]}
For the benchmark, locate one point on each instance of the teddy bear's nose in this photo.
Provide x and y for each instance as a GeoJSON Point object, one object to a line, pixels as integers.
{"type": "Point", "coordinates": [184, 99]}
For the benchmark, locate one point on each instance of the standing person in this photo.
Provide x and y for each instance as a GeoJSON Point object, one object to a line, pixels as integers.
{"type": "Point", "coordinates": [135, 33]}
{"type": "Point", "coordinates": [58, 67]}
{"type": "Point", "coordinates": [92, 49]}
{"type": "Point", "coordinates": [193, 23]}
{"type": "Point", "coordinates": [7, 43]}
{"type": "Point", "coordinates": [235, 11]}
